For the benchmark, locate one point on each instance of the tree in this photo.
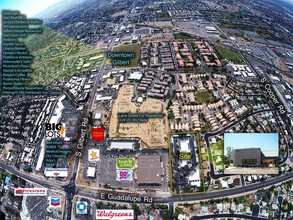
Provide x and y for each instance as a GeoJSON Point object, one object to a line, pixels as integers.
{"type": "Point", "coordinates": [176, 213]}
{"type": "Point", "coordinates": [166, 216]}
{"type": "Point", "coordinates": [229, 151]}
{"type": "Point", "coordinates": [136, 210]}
{"type": "Point", "coordinates": [29, 169]}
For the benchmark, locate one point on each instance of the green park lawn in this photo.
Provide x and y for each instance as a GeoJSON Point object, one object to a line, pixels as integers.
{"type": "Point", "coordinates": [217, 151]}
{"type": "Point", "coordinates": [130, 48]}
{"type": "Point", "coordinates": [229, 54]}
{"type": "Point", "coordinates": [182, 36]}
{"type": "Point", "coordinates": [204, 97]}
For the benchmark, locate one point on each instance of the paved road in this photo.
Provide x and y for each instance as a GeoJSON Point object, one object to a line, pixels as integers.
{"type": "Point", "coordinates": [43, 182]}
{"type": "Point", "coordinates": [226, 216]}
{"type": "Point", "coordinates": [195, 197]}
{"type": "Point", "coordinates": [70, 189]}
{"type": "Point", "coordinates": [225, 193]}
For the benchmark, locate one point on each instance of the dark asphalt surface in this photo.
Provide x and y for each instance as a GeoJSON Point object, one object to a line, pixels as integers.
{"type": "Point", "coordinates": [225, 216]}
{"type": "Point", "coordinates": [196, 197]}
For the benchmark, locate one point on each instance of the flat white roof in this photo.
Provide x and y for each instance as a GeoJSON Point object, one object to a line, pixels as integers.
{"type": "Point", "coordinates": [194, 178]}
{"type": "Point", "coordinates": [287, 96]}
{"type": "Point", "coordinates": [41, 155]}
{"type": "Point", "coordinates": [100, 98]}
{"type": "Point", "coordinates": [106, 75]}
{"type": "Point", "coordinates": [91, 171]}
{"type": "Point", "coordinates": [270, 153]}
{"type": "Point", "coordinates": [211, 28]}
{"type": "Point", "coordinates": [135, 75]}
{"type": "Point", "coordinates": [98, 115]}
{"type": "Point", "coordinates": [184, 146]}
{"type": "Point", "coordinates": [96, 57]}
{"type": "Point", "coordinates": [122, 145]}
{"type": "Point", "coordinates": [86, 65]}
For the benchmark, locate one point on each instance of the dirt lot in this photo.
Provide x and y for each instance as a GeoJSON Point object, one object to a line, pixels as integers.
{"type": "Point", "coordinates": [111, 81]}
{"type": "Point", "coordinates": [153, 133]}
{"type": "Point", "coordinates": [82, 182]}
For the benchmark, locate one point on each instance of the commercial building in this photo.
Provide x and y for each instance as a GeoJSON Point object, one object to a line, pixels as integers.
{"type": "Point", "coordinates": [135, 76]}
{"type": "Point", "coordinates": [254, 157]}
{"type": "Point", "coordinates": [91, 172]}
{"type": "Point", "coordinates": [149, 170]}
{"type": "Point", "coordinates": [250, 157]}
{"type": "Point", "coordinates": [184, 146]}
{"type": "Point", "coordinates": [93, 155]}
{"type": "Point", "coordinates": [117, 145]}
{"type": "Point", "coordinates": [194, 178]}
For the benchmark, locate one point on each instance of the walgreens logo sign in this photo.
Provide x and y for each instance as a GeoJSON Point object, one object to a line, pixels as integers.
{"type": "Point", "coordinates": [114, 214]}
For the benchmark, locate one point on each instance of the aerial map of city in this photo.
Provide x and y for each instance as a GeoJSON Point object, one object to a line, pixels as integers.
{"type": "Point", "coordinates": [146, 109]}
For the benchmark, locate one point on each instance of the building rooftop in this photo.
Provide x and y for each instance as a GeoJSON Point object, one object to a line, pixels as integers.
{"type": "Point", "coordinates": [149, 169]}
{"type": "Point", "coordinates": [91, 172]}
{"type": "Point", "coordinates": [184, 146]}
{"type": "Point", "coordinates": [194, 178]}
{"type": "Point", "coordinates": [117, 145]}
{"type": "Point", "coordinates": [270, 153]}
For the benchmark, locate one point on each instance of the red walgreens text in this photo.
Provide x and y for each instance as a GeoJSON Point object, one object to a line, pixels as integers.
{"type": "Point", "coordinates": [110, 214]}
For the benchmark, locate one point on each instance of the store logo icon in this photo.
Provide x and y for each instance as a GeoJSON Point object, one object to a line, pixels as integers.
{"type": "Point", "coordinates": [81, 208]}
{"type": "Point", "coordinates": [53, 130]}
{"type": "Point", "coordinates": [55, 202]}
{"type": "Point", "coordinates": [98, 134]}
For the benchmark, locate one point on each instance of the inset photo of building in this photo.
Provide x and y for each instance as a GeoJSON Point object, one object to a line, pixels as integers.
{"type": "Point", "coordinates": [251, 153]}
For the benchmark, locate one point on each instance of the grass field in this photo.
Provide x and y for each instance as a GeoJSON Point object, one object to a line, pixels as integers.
{"type": "Point", "coordinates": [231, 15]}
{"type": "Point", "coordinates": [217, 151]}
{"type": "Point", "coordinates": [204, 97]}
{"type": "Point", "coordinates": [182, 36]}
{"type": "Point", "coordinates": [229, 54]}
{"type": "Point", "coordinates": [130, 48]}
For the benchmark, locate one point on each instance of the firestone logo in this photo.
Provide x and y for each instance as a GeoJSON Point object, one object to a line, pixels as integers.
{"type": "Point", "coordinates": [30, 192]}
{"type": "Point", "coordinates": [117, 214]}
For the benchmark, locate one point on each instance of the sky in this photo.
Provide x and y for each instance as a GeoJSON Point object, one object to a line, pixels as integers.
{"type": "Point", "coordinates": [28, 7]}
{"type": "Point", "coordinates": [266, 141]}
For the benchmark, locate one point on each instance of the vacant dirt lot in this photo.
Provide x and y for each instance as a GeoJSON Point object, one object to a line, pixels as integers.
{"type": "Point", "coordinates": [153, 133]}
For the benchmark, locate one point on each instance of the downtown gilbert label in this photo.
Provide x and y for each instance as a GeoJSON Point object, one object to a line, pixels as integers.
{"type": "Point", "coordinates": [117, 214]}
